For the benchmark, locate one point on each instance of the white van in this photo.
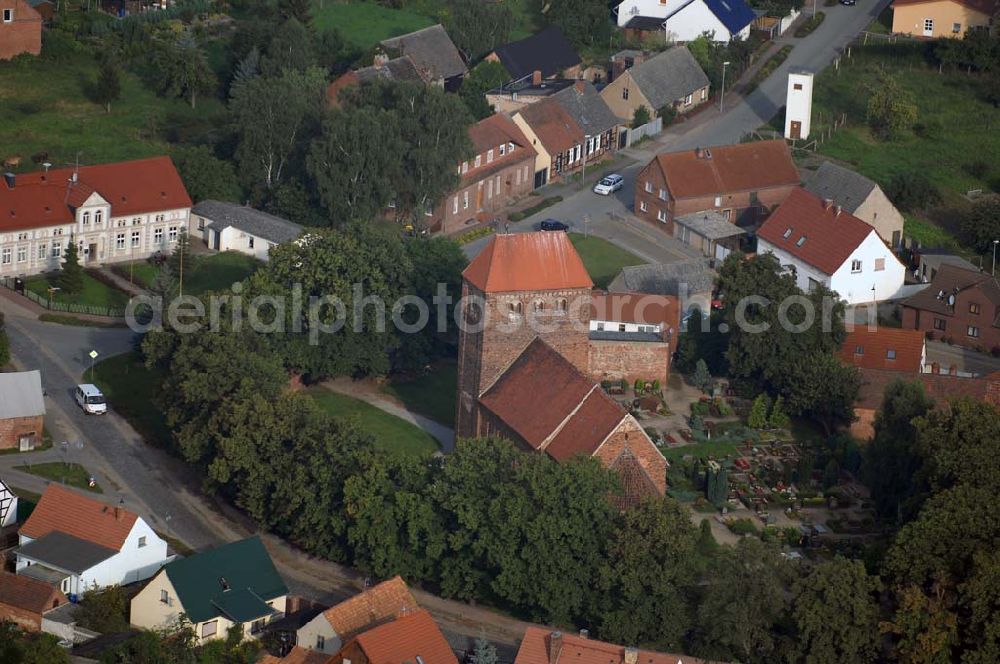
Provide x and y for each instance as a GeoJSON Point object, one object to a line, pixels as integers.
{"type": "Point", "coordinates": [90, 399]}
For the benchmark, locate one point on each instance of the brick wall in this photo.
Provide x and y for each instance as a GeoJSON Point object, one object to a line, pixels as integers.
{"type": "Point", "coordinates": [29, 621]}
{"type": "Point", "coordinates": [12, 429]}
{"type": "Point", "coordinates": [956, 326]}
{"type": "Point", "coordinates": [23, 34]}
{"type": "Point", "coordinates": [631, 360]}
{"type": "Point", "coordinates": [629, 435]}
{"type": "Point", "coordinates": [493, 191]}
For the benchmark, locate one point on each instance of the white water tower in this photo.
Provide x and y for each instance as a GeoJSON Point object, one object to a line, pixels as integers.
{"type": "Point", "coordinates": [798, 104]}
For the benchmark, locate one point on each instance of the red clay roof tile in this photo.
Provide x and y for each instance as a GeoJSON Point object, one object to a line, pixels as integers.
{"type": "Point", "coordinates": [586, 428]}
{"type": "Point", "coordinates": [731, 168]}
{"type": "Point", "coordinates": [28, 594]}
{"type": "Point", "coordinates": [527, 262]}
{"type": "Point", "coordinates": [66, 511]}
{"type": "Point", "coordinates": [381, 602]}
{"type": "Point", "coordinates": [578, 650]}
{"type": "Point", "coordinates": [554, 127]}
{"type": "Point", "coordinates": [871, 349]}
{"type": "Point", "coordinates": [404, 639]}
{"type": "Point", "coordinates": [636, 308]}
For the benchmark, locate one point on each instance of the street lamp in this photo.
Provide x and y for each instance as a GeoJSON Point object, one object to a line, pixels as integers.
{"type": "Point", "coordinates": [722, 95]}
{"type": "Point", "coordinates": [995, 243]}
{"type": "Point", "coordinates": [586, 146]}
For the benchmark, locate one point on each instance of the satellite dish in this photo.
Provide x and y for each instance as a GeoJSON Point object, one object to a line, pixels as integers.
{"type": "Point", "coordinates": [951, 300]}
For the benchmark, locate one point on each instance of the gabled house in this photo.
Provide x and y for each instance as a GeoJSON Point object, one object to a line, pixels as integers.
{"type": "Point", "coordinates": [860, 196]}
{"type": "Point", "coordinates": [232, 227]}
{"type": "Point", "coordinates": [234, 584]}
{"type": "Point", "coordinates": [383, 68]}
{"type": "Point", "coordinates": [501, 172]}
{"type": "Point", "coordinates": [25, 601]}
{"type": "Point", "coordinates": [333, 628]}
{"type": "Point", "coordinates": [930, 259]}
{"type": "Point", "coordinates": [685, 20]}
{"type": "Point", "coordinates": [20, 29]}
{"type": "Point", "coordinates": [960, 305]}
{"type": "Point", "coordinates": [942, 18]}
{"type": "Point", "coordinates": [115, 212]}
{"type": "Point", "coordinates": [885, 348]}
{"type": "Point", "coordinates": [77, 543]}
{"type": "Point", "coordinates": [543, 646]}
{"type": "Point", "coordinates": [555, 137]}
{"type": "Point", "coordinates": [432, 53]}
{"type": "Point", "coordinates": [593, 116]}
{"type": "Point", "coordinates": [671, 79]}
{"type": "Point", "coordinates": [820, 243]}
{"type": "Point", "coordinates": [413, 637]}
{"type": "Point", "coordinates": [690, 280]}
{"type": "Point", "coordinates": [741, 182]}
{"type": "Point", "coordinates": [547, 52]}
{"type": "Point", "coordinates": [22, 410]}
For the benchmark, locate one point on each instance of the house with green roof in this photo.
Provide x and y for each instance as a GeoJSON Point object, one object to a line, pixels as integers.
{"type": "Point", "coordinates": [233, 585]}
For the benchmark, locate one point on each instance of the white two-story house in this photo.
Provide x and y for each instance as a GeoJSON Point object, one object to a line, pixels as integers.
{"type": "Point", "coordinates": [114, 212]}
{"type": "Point", "coordinates": [77, 543]}
{"type": "Point", "coordinates": [686, 20]}
{"type": "Point", "coordinates": [821, 243]}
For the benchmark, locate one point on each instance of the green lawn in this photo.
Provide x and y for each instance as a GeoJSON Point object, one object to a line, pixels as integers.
{"type": "Point", "coordinates": [94, 293]}
{"type": "Point", "coordinates": [45, 109]}
{"type": "Point", "coordinates": [602, 259]}
{"type": "Point", "coordinates": [142, 273]}
{"type": "Point", "coordinates": [365, 24]}
{"type": "Point", "coordinates": [218, 271]}
{"type": "Point", "coordinates": [431, 395]}
{"type": "Point", "coordinates": [391, 433]}
{"type": "Point", "coordinates": [72, 474]}
{"type": "Point", "coordinates": [131, 390]}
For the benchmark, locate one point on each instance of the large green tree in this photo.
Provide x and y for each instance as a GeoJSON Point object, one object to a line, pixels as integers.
{"type": "Point", "coordinates": [891, 108]}
{"type": "Point", "coordinates": [487, 75]}
{"type": "Point", "coordinates": [981, 224]}
{"type": "Point", "coordinates": [290, 48]}
{"type": "Point", "coordinates": [183, 69]}
{"type": "Point", "coordinates": [835, 613]}
{"type": "Point", "coordinates": [108, 87]}
{"type": "Point", "coordinates": [478, 27]}
{"type": "Point", "coordinates": [70, 278]}
{"type": "Point", "coordinates": [206, 176]}
{"type": "Point", "coordinates": [584, 22]}
{"type": "Point", "coordinates": [821, 387]}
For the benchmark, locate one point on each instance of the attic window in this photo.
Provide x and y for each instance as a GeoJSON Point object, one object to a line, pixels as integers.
{"type": "Point", "coordinates": [890, 354]}
{"type": "Point", "coordinates": [787, 234]}
{"type": "Point", "coordinates": [801, 241]}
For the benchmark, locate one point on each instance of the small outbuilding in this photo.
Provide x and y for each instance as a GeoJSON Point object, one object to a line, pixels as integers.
{"type": "Point", "coordinates": [232, 227]}
{"type": "Point", "coordinates": [22, 410]}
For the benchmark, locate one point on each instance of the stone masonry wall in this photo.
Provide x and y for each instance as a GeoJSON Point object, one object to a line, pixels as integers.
{"type": "Point", "coordinates": [631, 360]}
{"type": "Point", "coordinates": [12, 429]}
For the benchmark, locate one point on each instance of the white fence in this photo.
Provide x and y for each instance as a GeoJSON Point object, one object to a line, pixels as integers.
{"type": "Point", "coordinates": [651, 128]}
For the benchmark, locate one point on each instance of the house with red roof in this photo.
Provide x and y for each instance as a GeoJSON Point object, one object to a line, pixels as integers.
{"type": "Point", "coordinates": [885, 348]}
{"type": "Point", "coordinates": [114, 212]}
{"type": "Point", "coordinates": [542, 646]}
{"type": "Point", "coordinates": [499, 173]}
{"type": "Point", "coordinates": [25, 601]}
{"type": "Point", "coordinates": [413, 637]}
{"type": "Point", "coordinates": [743, 183]}
{"type": "Point", "coordinates": [822, 244]}
{"type": "Point", "coordinates": [75, 543]}
{"type": "Point", "coordinates": [535, 343]}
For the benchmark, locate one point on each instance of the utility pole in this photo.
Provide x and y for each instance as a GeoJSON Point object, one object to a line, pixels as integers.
{"type": "Point", "coordinates": [995, 243]}
{"type": "Point", "coordinates": [722, 94]}
{"type": "Point", "coordinates": [586, 146]}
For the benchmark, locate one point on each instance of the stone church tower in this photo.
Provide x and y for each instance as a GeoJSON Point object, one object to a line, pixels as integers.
{"type": "Point", "coordinates": [519, 287]}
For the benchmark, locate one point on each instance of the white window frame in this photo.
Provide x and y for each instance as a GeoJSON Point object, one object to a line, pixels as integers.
{"type": "Point", "coordinates": [6, 256]}
{"type": "Point", "coordinates": [8, 15]}
{"type": "Point", "coordinates": [22, 254]}
{"type": "Point", "coordinates": [454, 205]}
{"type": "Point", "coordinates": [489, 156]}
{"type": "Point", "coordinates": [205, 628]}
{"type": "Point", "coordinates": [135, 239]}
{"type": "Point", "coordinates": [120, 241]}
{"type": "Point", "coordinates": [98, 217]}
{"type": "Point", "coordinates": [642, 206]}
{"type": "Point", "coordinates": [855, 266]}
{"type": "Point", "coordinates": [172, 234]}
{"type": "Point", "coordinates": [43, 251]}
{"type": "Point", "coordinates": [649, 187]}
{"type": "Point", "coordinates": [661, 215]}
{"type": "Point", "coordinates": [158, 235]}
{"type": "Point", "coordinates": [85, 218]}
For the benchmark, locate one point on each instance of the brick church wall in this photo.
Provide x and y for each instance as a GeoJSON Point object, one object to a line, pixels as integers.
{"type": "Point", "coordinates": [13, 428]}
{"type": "Point", "coordinates": [631, 436]}
{"type": "Point", "coordinates": [631, 360]}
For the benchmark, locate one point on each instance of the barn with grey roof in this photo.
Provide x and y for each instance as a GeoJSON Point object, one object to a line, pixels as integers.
{"type": "Point", "coordinates": [232, 227]}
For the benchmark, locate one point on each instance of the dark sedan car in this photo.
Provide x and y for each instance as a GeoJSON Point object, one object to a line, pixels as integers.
{"type": "Point", "coordinates": [553, 225]}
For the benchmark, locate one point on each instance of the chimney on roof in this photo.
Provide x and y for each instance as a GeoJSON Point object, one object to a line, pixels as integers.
{"type": "Point", "coordinates": [584, 634]}
{"type": "Point", "coordinates": [631, 655]}
{"type": "Point", "coordinates": [555, 646]}
{"type": "Point", "coordinates": [380, 59]}
{"type": "Point", "coordinates": [118, 509]}
{"type": "Point", "coordinates": [536, 78]}
{"type": "Point", "coordinates": [697, 152]}
{"type": "Point", "coordinates": [10, 179]}
{"type": "Point", "coordinates": [827, 203]}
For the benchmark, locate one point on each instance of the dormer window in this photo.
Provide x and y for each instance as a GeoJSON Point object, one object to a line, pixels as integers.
{"type": "Point", "coordinates": [787, 234]}
{"type": "Point", "coordinates": [802, 240]}
{"type": "Point", "coordinates": [503, 149]}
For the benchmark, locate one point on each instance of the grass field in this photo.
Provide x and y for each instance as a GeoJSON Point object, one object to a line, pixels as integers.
{"type": "Point", "coordinates": [72, 474]}
{"type": "Point", "coordinates": [94, 293]}
{"type": "Point", "coordinates": [955, 127]}
{"type": "Point", "coordinates": [142, 273]}
{"type": "Point", "coordinates": [131, 389]}
{"type": "Point", "coordinates": [391, 433]}
{"type": "Point", "coordinates": [431, 395]}
{"type": "Point", "coordinates": [219, 271]}
{"type": "Point", "coordinates": [365, 24]}
{"type": "Point", "coordinates": [602, 259]}
{"type": "Point", "coordinates": [45, 109]}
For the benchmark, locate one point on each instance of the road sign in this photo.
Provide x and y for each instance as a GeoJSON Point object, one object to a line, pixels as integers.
{"type": "Point", "coordinates": [93, 354]}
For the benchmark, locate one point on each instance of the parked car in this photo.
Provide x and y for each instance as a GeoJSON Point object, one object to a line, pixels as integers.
{"type": "Point", "coordinates": [609, 184]}
{"type": "Point", "coordinates": [90, 399]}
{"type": "Point", "coordinates": [553, 225]}
{"type": "Point", "coordinates": [848, 3]}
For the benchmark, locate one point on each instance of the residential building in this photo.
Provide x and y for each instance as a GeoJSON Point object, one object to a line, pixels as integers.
{"type": "Point", "coordinates": [330, 630]}
{"type": "Point", "coordinates": [20, 29]}
{"type": "Point", "coordinates": [685, 20]}
{"type": "Point", "coordinates": [401, 69]}
{"type": "Point", "coordinates": [941, 388]}
{"type": "Point", "coordinates": [631, 335]}
{"type": "Point", "coordinates": [821, 244]}
{"type": "Point", "coordinates": [25, 601]}
{"type": "Point", "coordinates": [567, 128]}
{"type": "Point", "coordinates": [234, 584]}
{"type": "Point", "coordinates": [671, 79]}
{"type": "Point", "coordinates": [930, 259]}
{"type": "Point", "coordinates": [413, 637]}
{"type": "Point", "coordinates": [114, 212]}
{"type": "Point", "coordinates": [77, 543]}
{"type": "Point", "coordinates": [885, 348]}
{"type": "Point", "coordinates": [860, 196]}
{"type": "Point", "coordinates": [547, 52]}
{"type": "Point", "coordinates": [501, 172]}
{"type": "Point", "coordinates": [960, 305]}
{"type": "Point", "coordinates": [942, 18]}
{"type": "Point", "coordinates": [232, 227]}
{"type": "Point", "coordinates": [433, 53]}
{"type": "Point", "coordinates": [8, 506]}
{"type": "Point", "coordinates": [514, 96]}
{"type": "Point", "coordinates": [543, 646]}
{"type": "Point", "coordinates": [708, 232]}
{"type": "Point", "coordinates": [530, 372]}
{"type": "Point", "coordinates": [22, 410]}
{"type": "Point", "coordinates": [741, 182]}
{"type": "Point", "coordinates": [691, 281]}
